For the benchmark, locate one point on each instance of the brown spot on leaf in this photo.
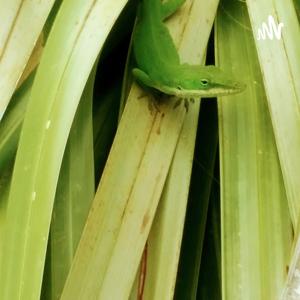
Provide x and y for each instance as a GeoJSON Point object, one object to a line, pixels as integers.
{"type": "Point", "coordinates": [146, 220]}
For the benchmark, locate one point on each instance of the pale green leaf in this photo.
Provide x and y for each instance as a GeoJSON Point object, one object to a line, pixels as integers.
{"type": "Point", "coordinates": [255, 223]}
{"type": "Point", "coordinates": [79, 31]}
{"type": "Point", "coordinates": [21, 25]}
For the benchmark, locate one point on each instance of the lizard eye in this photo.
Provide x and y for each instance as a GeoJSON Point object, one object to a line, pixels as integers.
{"type": "Point", "coordinates": [204, 82]}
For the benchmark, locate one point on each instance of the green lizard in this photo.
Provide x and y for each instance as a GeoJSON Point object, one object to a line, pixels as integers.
{"type": "Point", "coordinates": [158, 63]}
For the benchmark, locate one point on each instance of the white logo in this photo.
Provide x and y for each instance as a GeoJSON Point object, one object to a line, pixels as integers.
{"type": "Point", "coordinates": [270, 30]}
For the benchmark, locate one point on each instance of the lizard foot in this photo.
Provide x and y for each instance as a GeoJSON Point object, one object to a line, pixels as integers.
{"type": "Point", "coordinates": [186, 104]}
{"type": "Point", "coordinates": [153, 105]}
{"type": "Point", "coordinates": [177, 103]}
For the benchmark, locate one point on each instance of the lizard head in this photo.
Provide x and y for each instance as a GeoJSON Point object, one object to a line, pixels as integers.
{"type": "Point", "coordinates": [208, 81]}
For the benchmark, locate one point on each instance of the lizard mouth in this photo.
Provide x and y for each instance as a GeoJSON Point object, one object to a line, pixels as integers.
{"type": "Point", "coordinates": [232, 89]}
{"type": "Point", "coordinates": [216, 91]}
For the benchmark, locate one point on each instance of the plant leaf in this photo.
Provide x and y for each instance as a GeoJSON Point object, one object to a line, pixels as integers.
{"type": "Point", "coordinates": [253, 199]}
{"type": "Point", "coordinates": [21, 25]}
{"type": "Point", "coordinates": [79, 31]}
{"type": "Point", "coordinates": [280, 65]}
{"type": "Point", "coordinates": [118, 225]}
{"type": "Point", "coordinates": [167, 229]}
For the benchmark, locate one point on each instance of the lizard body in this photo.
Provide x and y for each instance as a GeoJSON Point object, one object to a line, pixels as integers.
{"type": "Point", "coordinates": [158, 62]}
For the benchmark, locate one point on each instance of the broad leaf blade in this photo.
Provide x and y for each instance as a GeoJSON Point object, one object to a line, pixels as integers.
{"type": "Point", "coordinates": [119, 222]}
{"type": "Point", "coordinates": [253, 199]}
{"type": "Point", "coordinates": [11, 124]}
{"type": "Point", "coordinates": [280, 65]}
{"type": "Point", "coordinates": [75, 192]}
{"type": "Point", "coordinates": [79, 31]}
{"type": "Point", "coordinates": [166, 233]}
{"type": "Point", "coordinates": [21, 25]}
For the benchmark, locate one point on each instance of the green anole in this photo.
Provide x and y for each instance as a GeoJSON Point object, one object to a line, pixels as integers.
{"type": "Point", "coordinates": [158, 63]}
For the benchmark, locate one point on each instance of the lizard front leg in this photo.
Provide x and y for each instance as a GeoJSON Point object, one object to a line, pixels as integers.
{"type": "Point", "coordinates": [169, 7]}
{"type": "Point", "coordinates": [143, 78]}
